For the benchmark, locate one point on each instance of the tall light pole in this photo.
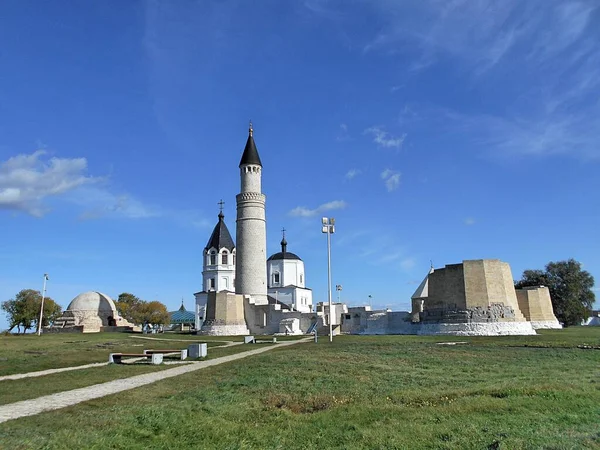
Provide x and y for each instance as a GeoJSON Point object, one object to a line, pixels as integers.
{"type": "Point", "coordinates": [370, 304]}
{"type": "Point", "coordinates": [328, 226]}
{"type": "Point", "coordinates": [338, 288]}
{"type": "Point", "coordinates": [42, 306]}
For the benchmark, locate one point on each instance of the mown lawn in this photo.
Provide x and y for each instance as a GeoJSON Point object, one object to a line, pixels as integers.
{"type": "Point", "coordinates": [29, 353]}
{"type": "Point", "coordinates": [405, 392]}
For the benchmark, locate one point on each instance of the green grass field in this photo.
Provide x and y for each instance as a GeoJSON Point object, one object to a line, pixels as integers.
{"type": "Point", "coordinates": [405, 392]}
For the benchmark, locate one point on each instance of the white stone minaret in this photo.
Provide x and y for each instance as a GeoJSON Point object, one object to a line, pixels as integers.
{"type": "Point", "coordinates": [251, 233]}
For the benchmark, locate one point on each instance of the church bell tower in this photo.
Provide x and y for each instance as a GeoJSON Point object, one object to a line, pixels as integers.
{"type": "Point", "coordinates": [251, 233]}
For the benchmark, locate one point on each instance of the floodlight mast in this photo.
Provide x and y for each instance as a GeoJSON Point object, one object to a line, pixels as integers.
{"type": "Point", "coordinates": [328, 227]}
{"type": "Point", "coordinates": [42, 305]}
{"type": "Point", "coordinates": [338, 288]}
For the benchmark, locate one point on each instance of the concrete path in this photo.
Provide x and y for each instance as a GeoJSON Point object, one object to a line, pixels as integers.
{"type": "Point", "coordinates": [69, 398]}
{"type": "Point", "coordinates": [41, 373]}
{"type": "Point", "coordinates": [191, 341]}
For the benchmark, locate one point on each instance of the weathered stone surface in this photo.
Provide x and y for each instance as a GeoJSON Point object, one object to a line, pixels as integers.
{"type": "Point", "coordinates": [536, 305]}
{"type": "Point", "coordinates": [476, 329]}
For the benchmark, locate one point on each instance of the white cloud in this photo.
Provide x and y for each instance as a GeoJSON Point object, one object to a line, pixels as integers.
{"type": "Point", "coordinates": [301, 211]}
{"type": "Point", "coordinates": [384, 139]}
{"type": "Point", "coordinates": [352, 173]}
{"type": "Point", "coordinates": [27, 181]}
{"type": "Point", "coordinates": [343, 134]}
{"type": "Point", "coordinates": [391, 179]}
{"type": "Point", "coordinates": [98, 202]}
{"type": "Point", "coordinates": [469, 221]}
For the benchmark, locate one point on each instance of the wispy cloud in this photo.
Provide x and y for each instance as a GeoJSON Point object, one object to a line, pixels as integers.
{"type": "Point", "coordinates": [469, 221]}
{"type": "Point", "coordinates": [27, 181]}
{"type": "Point", "coordinates": [31, 182]}
{"type": "Point", "coordinates": [99, 202]}
{"type": "Point", "coordinates": [343, 134]}
{"type": "Point", "coordinates": [380, 248]}
{"type": "Point", "coordinates": [481, 33]}
{"type": "Point", "coordinates": [391, 179]}
{"type": "Point", "coordinates": [385, 139]}
{"type": "Point", "coordinates": [352, 173]}
{"type": "Point", "coordinates": [301, 211]}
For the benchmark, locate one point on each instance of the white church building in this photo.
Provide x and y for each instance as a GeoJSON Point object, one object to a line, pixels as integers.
{"type": "Point", "coordinates": [278, 281]}
{"type": "Point", "coordinates": [285, 272]}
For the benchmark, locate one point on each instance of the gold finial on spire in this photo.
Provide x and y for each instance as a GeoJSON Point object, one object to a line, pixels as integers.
{"type": "Point", "coordinates": [250, 130]}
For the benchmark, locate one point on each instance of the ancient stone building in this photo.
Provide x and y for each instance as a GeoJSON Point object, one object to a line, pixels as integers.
{"type": "Point", "coordinates": [536, 306]}
{"type": "Point", "coordinates": [90, 312]}
{"type": "Point", "coordinates": [473, 297]}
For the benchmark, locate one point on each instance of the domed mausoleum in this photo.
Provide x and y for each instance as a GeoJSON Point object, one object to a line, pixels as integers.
{"type": "Point", "coordinates": [89, 312]}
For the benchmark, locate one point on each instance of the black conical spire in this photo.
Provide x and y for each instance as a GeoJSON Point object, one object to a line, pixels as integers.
{"type": "Point", "coordinates": [220, 236]}
{"type": "Point", "coordinates": [250, 155]}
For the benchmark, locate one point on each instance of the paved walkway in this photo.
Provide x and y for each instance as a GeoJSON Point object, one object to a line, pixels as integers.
{"type": "Point", "coordinates": [69, 398]}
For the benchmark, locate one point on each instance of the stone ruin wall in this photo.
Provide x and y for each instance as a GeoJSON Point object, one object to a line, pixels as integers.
{"type": "Point", "coordinates": [224, 315]}
{"type": "Point", "coordinates": [536, 305]}
{"type": "Point", "coordinates": [474, 291]}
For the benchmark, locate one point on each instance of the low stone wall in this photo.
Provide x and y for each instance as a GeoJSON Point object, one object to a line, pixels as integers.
{"type": "Point", "coordinates": [213, 329]}
{"type": "Point", "coordinates": [476, 329]}
{"type": "Point", "coordinates": [546, 324]}
{"type": "Point", "coordinates": [118, 329]}
{"type": "Point", "coordinates": [71, 329]}
{"type": "Point", "coordinates": [496, 312]}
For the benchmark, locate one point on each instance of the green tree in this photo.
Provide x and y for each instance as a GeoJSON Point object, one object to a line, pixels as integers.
{"type": "Point", "coordinates": [127, 305]}
{"type": "Point", "coordinates": [140, 312]}
{"type": "Point", "coordinates": [570, 289]}
{"type": "Point", "coordinates": [154, 313]}
{"type": "Point", "coordinates": [24, 310]}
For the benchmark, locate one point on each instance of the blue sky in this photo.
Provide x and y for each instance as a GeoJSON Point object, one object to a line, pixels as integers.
{"type": "Point", "coordinates": [431, 130]}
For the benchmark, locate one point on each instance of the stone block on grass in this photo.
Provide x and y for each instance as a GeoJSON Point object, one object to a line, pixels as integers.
{"type": "Point", "coordinates": [197, 351]}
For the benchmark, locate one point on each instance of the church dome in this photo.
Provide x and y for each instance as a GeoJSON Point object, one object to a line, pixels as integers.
{"type": "Point", "coordinates": [284, 254]}
{"type": "Point", "coordinates": [92, 300]}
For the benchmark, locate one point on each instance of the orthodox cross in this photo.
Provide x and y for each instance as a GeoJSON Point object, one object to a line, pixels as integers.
{"type": "Point", "coordinates": [283, 232]}
{"type": "Point", "coordinates": [221, 203]}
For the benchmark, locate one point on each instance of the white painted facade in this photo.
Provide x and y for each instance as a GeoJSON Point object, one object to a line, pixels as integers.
{"type": "Point", "coordinates": [286, 279]}
{"type": "Point", "coordinates": [287, 284]}
{"type": "Point", "coordinates": [218, 272]}
{"type": "Point", "coordinates": [218, 267]}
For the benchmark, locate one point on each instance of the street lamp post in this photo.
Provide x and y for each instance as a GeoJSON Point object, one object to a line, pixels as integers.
{"type": "Point", "coordinates": [328, 226]}
{"type": "Point", "coordinates": [338, 288]}
{"type": "Point", "coordinates": [42, 306]}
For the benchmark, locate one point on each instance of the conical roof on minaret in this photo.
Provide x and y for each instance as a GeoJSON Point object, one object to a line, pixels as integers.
{"type": "Point", "coordinates": [220, 237]}
{"type": "Point", "coordinates": [250, 155]}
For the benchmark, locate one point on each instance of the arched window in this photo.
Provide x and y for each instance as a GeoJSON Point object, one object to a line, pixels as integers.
{"type": "Point", "coordinates": [276, 278]}
{"type": "Point", "coordinates": [213, 258]}
{"type": "Point", "coordinates": [224, 258]}
{"type": "Point", "coordinates": [301, 278]}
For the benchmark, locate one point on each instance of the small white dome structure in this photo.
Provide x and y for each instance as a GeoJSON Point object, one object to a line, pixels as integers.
{"type": "Point", "coordinates": [93, 301]}
{"type": "Point", "coordinates": [90, 311]}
